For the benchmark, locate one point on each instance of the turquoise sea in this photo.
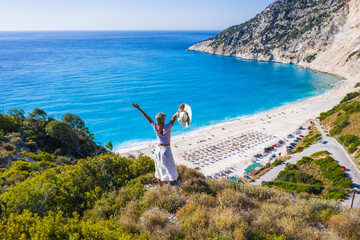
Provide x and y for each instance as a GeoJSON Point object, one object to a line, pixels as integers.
{"type": "Point", "coordinates": [97, 75]}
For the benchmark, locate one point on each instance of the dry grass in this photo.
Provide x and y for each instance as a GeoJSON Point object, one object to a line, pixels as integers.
{"type": "Point", "coordinates": [195, 186]}
{"type": "Point", "coordinates": [14, 138]}
{"type": "Point", "coordinates": [346, 224]}
{"type": "Point", "coordinates": [328, 122]}
{"type": "Point", "coordinates": [314, 170]}
{"type": "Point", "coordinates": [166, 197]}
{"type": "Point", "coordinates": [354, 127]}
{"type": "Point", "coordinates": [230, 198]}
{"type": "Point", "coordinates": [153, 219]}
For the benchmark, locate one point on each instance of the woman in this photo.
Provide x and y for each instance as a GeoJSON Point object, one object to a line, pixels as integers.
{"type": "Point", "coordinates": [165, 169]}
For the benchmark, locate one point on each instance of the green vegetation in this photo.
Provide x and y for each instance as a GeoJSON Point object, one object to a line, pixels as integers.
{"type": "Point", "coordinates": [350, 141]}
{"type": "Point", "coordinates": [350, 96]}
{"type": "Point", "coordinates": [305, 177]}
{"type": "Point", "coordinates": [320, 154]}
{"type": "Point", "coordinates": [342, 122]}
{"type": "Point", "coordinates": [357, 85]}
{"type": "Point", "coordinates": [279, 160]}
{"type": "Point", "coordinates": [353, 54]}
{"type": "Point", "coordinates": [41, 137]}
{"type": "Point", "coordinates": [47, 195]}
{"type": "Point", "coordinates": [310, 58]}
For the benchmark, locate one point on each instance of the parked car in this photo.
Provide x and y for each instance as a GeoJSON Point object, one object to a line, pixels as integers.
{"type": "Point", "coordinates": [343, 168]}
{"type": "Point", "coordinates": [325, 142]}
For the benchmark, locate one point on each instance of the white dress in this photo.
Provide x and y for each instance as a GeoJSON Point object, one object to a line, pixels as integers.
{"type": "Point", "coordinates": [165, 168]}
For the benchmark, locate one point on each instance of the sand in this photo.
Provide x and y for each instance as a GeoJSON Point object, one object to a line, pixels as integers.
{"type": "Point", "coordinates": [229, 145]}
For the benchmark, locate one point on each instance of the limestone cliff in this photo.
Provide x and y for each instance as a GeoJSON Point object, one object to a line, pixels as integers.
{"type": "Point", "coordinates": [322, 35]}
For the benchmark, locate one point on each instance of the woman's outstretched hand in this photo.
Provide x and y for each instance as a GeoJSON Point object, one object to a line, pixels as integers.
{"type": "Point", "coordinates": [135, 105]}
{"type": "Point", "coordinates": [181, 107]}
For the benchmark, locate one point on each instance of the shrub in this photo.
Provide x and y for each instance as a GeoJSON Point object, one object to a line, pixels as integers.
{"type": "Point", "coordinates": [217, 185]}
{"type": "Point", "coordinates": [346, 224]}
{"type": "Point", "coordinates": [258, 192]}
{"type": "Point", "coordinates": [357, 85]}
{"type": "Point", "coordinates": [350, 139]}
{"type": "Point", "coordinates": [204, 199]}
{"type": "Point", "coordinates": [75, 187]}
{"type": "Point", "coordinates": [224, 219]}
{"type": "Point", "coordinates": [8, 146]}
{"type": "Point", "coordinates": [15, 138]}
{"type": "Point", "coordinates": [62, 160]}
{"type": "Point", "coordinates": [194, 220]}
{"type": "Point", "coordinates": [230, 198]}
{"type": "Point", "coordinates": [30, 226]}
{"type": "Point", "coordinates": [165, 197]}
{"type": "Point", "coordinates": [186, 173]}
{"type": "Point", "coordinates": [352, 108]}
{"type": "Point", "coordinates": [335, 131]}
{"type": "Point", "coordinates": [321, 153]}
{"type": "Point", "coordinates": [350, 96]}
{"type": "Point", "coordinates": [332, 171]}
{"type": "Point", "coordinates": [277, 162]}
{"type": "Point", "coordinates": [3, 156]}
{"type": "Point", "coordinates": [32, 145]}
{"type": "Point", "coordinates": [8, 124]}
{"type": "Point", "coordinates": [111, 203]}
{"type": "Point", "coordinates": [195, 185]}
{"type": "Point", "coordinates": [129, 216]}
{"type": "Point", "coordinates": [40, 156]}
{"type": "Point", "coordinates": [353, 148]}
{"type": "Point", "coordinates": [153, 219]}
{"type": "Point", "coordinates": [343, 118]}
{"type": "Point", "coordinates": [304, 160]}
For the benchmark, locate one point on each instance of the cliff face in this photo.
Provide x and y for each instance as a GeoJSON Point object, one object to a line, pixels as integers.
{"type": "Point", "coordinates": [322, 35]}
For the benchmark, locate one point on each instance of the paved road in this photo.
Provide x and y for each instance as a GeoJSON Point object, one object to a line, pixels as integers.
{"type": "Point", "coordinates": [337, 152]}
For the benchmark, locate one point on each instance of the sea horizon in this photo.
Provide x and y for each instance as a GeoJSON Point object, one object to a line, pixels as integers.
{"type": "Point", "coordinates": [97, 74]}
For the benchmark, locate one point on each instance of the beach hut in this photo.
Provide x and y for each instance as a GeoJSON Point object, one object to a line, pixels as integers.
{"type": "Point", "coordinates": [235, 179]}
{"type": "Point", "coordinates": [252, 167]}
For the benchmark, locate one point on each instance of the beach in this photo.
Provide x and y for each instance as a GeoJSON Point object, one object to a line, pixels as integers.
{"type": "Point", "coordinates": [231, 145]}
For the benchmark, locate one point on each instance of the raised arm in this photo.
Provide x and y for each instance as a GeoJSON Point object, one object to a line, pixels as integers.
{"type": "Point", "coordinates": [181, 109]}
{"type": "Point", "coordinates": [142, 112]}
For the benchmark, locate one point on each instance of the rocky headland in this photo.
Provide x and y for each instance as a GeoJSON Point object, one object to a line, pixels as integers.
{"type": "Point", "coordinates": [321, 35]}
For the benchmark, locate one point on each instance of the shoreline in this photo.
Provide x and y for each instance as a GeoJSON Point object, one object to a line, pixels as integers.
{"type": "Point", "coordinates": [276, 123]}
{"type": "Point", "coordinates": [141, 144]}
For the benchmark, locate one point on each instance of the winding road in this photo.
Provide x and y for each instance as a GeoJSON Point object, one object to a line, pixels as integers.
{"type": "Point", "coordinates": [337, 152]}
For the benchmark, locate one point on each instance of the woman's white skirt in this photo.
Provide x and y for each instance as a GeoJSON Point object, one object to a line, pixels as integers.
{"type": "Point", "coordinates": [165, 168]}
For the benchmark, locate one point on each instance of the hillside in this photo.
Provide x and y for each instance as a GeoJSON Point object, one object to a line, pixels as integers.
{"type": "Point", "coordinates": [319, 34]}
{"type": "Point", "coordinates": [106, 196]}
{"type": "Point", "coordinates": [342, 122]}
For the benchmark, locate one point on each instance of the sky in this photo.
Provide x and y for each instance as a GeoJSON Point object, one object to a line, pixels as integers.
{"type": "Point", "coordinates": [126, 14]}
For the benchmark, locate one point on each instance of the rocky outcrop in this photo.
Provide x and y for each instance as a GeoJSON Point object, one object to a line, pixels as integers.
{"type": "Point", "coordinates": [323, 35]}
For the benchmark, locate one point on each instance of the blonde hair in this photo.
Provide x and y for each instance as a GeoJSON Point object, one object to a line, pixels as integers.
{"type": "Point", "coordinates": [160, 118]}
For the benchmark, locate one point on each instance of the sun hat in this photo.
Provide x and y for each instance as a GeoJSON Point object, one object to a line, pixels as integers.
{"type": "Point", "coordinates": [185, 117]}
